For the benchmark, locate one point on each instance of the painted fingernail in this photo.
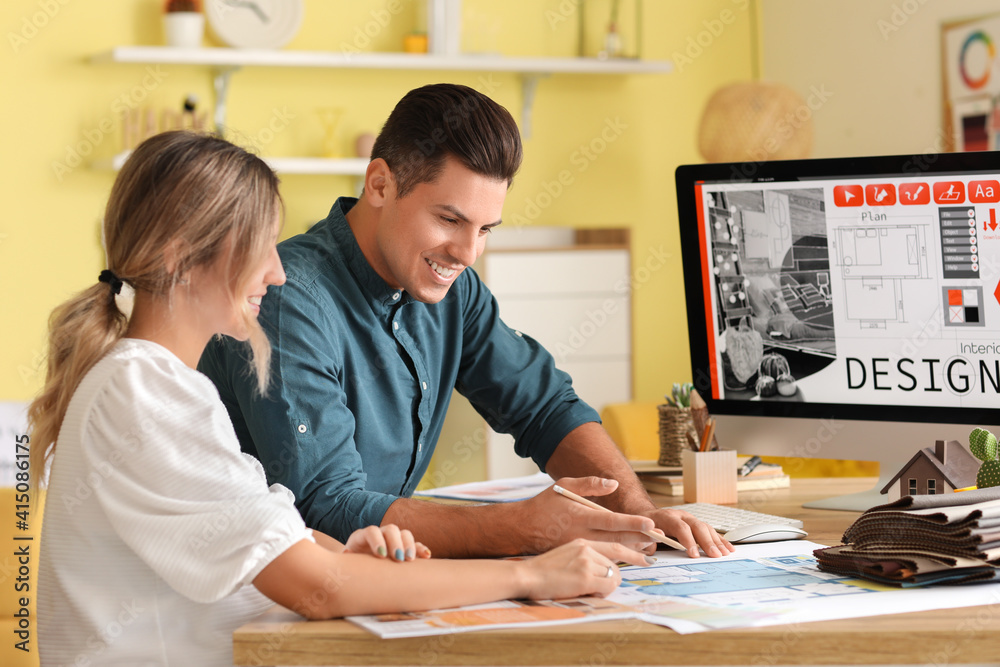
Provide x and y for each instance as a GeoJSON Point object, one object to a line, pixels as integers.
{"type": "Point", "coordinates": [381, 552]}
{"type": "Point", "coordinates": [411, 553]}
{"type": "Point", "coordinates": [399, 554]}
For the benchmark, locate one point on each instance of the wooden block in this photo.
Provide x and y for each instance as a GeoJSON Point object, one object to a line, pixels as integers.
{"type": "Point", "coordinates": [709, 477]}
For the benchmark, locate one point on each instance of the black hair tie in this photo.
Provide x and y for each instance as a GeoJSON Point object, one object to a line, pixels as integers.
{"type": "Point", "coordinates": [110, 278]}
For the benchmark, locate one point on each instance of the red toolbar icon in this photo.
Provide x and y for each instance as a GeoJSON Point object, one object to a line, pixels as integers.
{"type": "Point", "coordinates": [984, 192]}
{"type": "Point", "coordinates": [914, 194]}
{"type": "Point", "coordinates": [848, 195]}
{"type": "Point", "coordinates": [949, 192]}
{"type": "Point", "coordinates": [880, 194]}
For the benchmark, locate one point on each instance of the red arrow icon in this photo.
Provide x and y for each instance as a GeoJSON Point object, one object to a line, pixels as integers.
{"type": "Point", "coordinates": [993, 219]}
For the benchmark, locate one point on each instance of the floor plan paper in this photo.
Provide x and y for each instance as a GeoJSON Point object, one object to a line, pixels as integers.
{"type": "Point", "coordinates": [770, 584]}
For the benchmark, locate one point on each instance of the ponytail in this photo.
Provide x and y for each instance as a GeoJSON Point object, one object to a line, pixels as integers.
{"type": "Point", "coordinates": [81, 331]}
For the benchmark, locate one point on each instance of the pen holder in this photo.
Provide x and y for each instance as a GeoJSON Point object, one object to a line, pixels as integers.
{"type": "Point", "coordinates": [709, 477]}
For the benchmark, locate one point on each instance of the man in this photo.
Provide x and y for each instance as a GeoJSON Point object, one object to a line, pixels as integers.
{"type": "Point", "coordinates": [381, 317]}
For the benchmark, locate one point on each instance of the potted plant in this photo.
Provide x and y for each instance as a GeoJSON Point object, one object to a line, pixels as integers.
{"type": "Point", "coordinates": [183, 23]}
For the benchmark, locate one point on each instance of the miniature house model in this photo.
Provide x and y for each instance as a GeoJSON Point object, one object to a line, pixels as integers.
{"type": "Point", "coordinates": [946, 466]}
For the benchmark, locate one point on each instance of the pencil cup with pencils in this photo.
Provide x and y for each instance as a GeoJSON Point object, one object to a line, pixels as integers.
{"type": "Point", "coordinates": [685, 425]}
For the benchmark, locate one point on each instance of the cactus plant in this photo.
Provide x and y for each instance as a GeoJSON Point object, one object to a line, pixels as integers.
{"type": "Point", "coordinates": [983, 445]}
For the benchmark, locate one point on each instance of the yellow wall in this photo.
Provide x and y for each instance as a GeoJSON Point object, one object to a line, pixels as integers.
{"type": "Point", "coordinates": [58, 104]}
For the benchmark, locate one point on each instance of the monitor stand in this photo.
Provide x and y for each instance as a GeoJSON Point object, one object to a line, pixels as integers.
{"type": "Point", "coordinates": [857, 502]}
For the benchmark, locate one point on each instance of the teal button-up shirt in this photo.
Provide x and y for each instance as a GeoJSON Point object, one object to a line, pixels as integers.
{"type": "Point", "coordinates": [362, 376]}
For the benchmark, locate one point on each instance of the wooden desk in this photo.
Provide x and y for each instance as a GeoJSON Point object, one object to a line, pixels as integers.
{"type": "Point", "coordinates": [951, 636]}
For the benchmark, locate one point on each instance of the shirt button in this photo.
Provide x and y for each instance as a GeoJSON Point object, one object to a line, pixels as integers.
{"type": "Point", "coordinates": [420, 446]}
{"type": "Point", "coordinates": [424, 384]}
{"type": "Point", "coordinates": [395, 325]}
{"type": "Point", "coordinates": [302, 428]}
{"type": "Point", "coordinates": [395, 297]}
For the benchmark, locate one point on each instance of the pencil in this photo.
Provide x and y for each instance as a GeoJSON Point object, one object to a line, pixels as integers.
{"type": "Point", "coordinates": [656, 537]}
{"type": "Point", "coordinates": [706, 437]}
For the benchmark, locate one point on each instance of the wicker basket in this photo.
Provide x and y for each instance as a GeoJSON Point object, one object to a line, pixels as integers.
{"type": "Point", "coordinates": [675, 424]}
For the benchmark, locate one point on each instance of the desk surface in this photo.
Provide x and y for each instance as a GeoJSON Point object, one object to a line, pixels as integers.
{"type": "Point", "coordinates": [951, 636]}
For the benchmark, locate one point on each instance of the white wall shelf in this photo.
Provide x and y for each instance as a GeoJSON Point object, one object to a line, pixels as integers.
{"type": "Point", "coordinates": [223, 62]}
{"type": "Point", "coordinates": [354, 166]}
{"type": "Point", "coordinates": [222, 57]}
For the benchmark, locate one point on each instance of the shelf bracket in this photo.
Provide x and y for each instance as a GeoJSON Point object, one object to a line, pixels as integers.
{"type": "Point", "coordinates": [220, 78]}
{"type": "Point", "coordinates": [529, 83]}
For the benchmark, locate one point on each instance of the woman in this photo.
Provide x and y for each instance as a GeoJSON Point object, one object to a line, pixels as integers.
{"type": "Point", "coordinates": [160, 537]}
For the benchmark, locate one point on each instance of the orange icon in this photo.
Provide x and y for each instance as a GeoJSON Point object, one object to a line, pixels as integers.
{"type": "Point", "coordinates": [914, 194]}
{"type": "Point", "coordinates": [848, 195]}
{"type": "Point", "coordinates": [949, 192]}
{"type": "Point", "coordinates": [880, 194]}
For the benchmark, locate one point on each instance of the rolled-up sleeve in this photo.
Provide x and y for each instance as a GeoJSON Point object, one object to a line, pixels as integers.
{"type": "Point", "coordinates": [513, 382]}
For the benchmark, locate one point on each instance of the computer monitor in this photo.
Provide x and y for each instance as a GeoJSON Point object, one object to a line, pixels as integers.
{"type": "Point", "coordinates": [844, 308]}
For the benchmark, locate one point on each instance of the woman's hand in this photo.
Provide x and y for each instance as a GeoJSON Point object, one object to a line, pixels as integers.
{"type": "Point", "coordinates": [386, 542]}
{"type": "Point", "coordinates": [579, 567]}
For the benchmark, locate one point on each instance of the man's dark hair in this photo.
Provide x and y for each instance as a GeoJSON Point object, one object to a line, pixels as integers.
{"type": "Point", "coordinates": [435, 121]}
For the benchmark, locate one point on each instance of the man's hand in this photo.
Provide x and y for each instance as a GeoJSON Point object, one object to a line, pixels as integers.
{"type": "Point", "coordinates": [690, 532]}
{"type": "Point", "coordinates": [549, 519]}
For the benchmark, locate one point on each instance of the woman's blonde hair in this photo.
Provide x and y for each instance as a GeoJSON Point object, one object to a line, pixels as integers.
{"type": "Point", "coordinates": [196, 195]}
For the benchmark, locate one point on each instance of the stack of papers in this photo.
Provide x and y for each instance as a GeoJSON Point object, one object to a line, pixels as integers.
{"type": "Point", "coordinates": [921, 540]}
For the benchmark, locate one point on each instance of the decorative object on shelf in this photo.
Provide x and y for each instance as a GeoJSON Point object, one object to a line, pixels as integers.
{"type": "Point", "coordinates": [183, 23]}
{"type": "Point", "coordinates": [613, 41]}
{"type": "Point", "coordinates": [416, 40]}
{"type": "Point", "coordinates": [254, 24]}
{"type": "Point", "coordinates": [983, 445]}
{"type": "Point", "coordinates": [330, 118]}
{"type": "Point", "coordinates": [140, 124]}
{"type": "Point", "coordinates": [754, 120]}
{"type": "Point", "coordinates": [444, 27]}
{"type": "Point", "coordinates": [363, 144]}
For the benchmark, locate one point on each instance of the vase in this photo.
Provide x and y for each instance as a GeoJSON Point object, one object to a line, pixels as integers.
{"type": "Point", "coordinates": [183, 29]}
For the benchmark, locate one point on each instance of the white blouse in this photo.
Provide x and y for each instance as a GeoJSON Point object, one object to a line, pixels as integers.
{"type": "Point", "coordinates": [155, 522]}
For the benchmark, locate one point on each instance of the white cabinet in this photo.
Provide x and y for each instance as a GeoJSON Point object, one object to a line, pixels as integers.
{"type": "Point", "coordinates": [573, 299]}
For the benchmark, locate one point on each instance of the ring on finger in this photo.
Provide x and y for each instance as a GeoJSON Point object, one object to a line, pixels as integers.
{"type": "Point", "coordinates": [610, 572]}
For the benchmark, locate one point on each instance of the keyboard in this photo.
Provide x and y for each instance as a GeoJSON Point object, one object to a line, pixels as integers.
{"type": "Point", "coordinates": [724, 518]}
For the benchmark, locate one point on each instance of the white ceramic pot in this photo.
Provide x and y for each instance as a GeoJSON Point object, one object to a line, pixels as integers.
{"type": "Point", "coordinates": [184, 29]}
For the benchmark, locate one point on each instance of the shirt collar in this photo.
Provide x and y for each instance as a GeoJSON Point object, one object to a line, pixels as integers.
{"type": "Point", "coordinates": [378, 291]}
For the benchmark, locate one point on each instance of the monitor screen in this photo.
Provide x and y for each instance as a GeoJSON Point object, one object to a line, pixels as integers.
{"type": "Point", "coordinates": [855, 290]}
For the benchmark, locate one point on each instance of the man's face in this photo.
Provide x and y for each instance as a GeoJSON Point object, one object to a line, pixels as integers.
{"type": "Point", "coordinates": [427, 238]}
